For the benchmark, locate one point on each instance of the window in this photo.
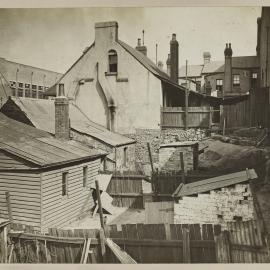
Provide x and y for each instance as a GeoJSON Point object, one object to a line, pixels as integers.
{"type": "Point", "coordinates": [20, 85]}
{"type": "Point", "coordinates": [254, 75]}
{"type": "Point", "coordinates": [125, 157]}
{"type": "Point", "coordinates": [85, 173]}
{"type": "Point", "coordinates": [112, 61]}
{"type": "Point", "coordinates": [27, 92]}
{"type": "Point", "coordinates": [40, 94]}
{"type": "Point", "coordinates": [27, 85]}
{"type": "Point", "coordinates": [40, 87]}
{"type": "Point", "coordinates": [20, 92]}
{"type": "Point", "coordinates": [34, 86]}
{"type": "Point", "coordinates": [64, 183]}
{"type": "Point", "coordinates": [219, 84]}
{"type": "Point", "coordinates": [236, 80]}
{"type": "Point", "coordinates": [34, 94]}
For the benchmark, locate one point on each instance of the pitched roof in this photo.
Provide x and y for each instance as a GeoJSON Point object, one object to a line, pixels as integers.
{"type": "Point", "coordinates": [41, 112]}
{"type": "Point", "coordinates": [237, 62]}
{"type": "Point", "coordinates": [215, 183]}
{"type": "Point", "coordinates": [39, 147]}
{"type": "Point", "coordinates": [192, 71]}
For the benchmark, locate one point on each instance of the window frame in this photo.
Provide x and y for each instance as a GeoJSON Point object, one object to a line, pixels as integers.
{"type": "Point", "coordinates": [219, 87]}
{"type": "Point", "coordinates": [85, 176]}
{"type": "Point", "coordinates": [238, 80]}
{"type": "Point", "coordinates": [254, 75]}
{"type": "Point", "coordinates": [125, 157]}
{"type": "Point", "coordinates": [112, 67]}
{"type": "Point", "coordinates": [64, 184]}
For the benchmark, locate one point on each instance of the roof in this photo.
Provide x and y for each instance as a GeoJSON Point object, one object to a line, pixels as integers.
{"type": "Point", "coordinates": [41, 113]}
{"type": "Point", "coordinates": [39, 147]}
{"type": "Point", "coordinates": [5, 89]}
{"type": "Point", "coordinates": [4, 222]}
{"type": "Point", "coordinates": [215, 183]}
{"type": "Point", "coordinates": [179, 144]}
{"type": "Point", "coordinates": [237, 62]}
{"type": "Point", "coordinates": [192, 71]}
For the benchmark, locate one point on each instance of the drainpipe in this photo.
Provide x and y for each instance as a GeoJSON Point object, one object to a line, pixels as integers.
{"type": "Point", "coordinates": [16, 91]}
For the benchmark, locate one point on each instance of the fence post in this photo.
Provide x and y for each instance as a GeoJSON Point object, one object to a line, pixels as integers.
{"type": "Point", "coordinates": [99, 205]}
{"type": "Point", "coordinates": [223, 250]}
{"type": "Point", "coordinates": [186, 246]}
{"type": "Point", "coordinates": [182, 167]}
{"type": "Point", "coordinates": [150, 156]}
{"type": "Point", "coordinates": [102, 245]}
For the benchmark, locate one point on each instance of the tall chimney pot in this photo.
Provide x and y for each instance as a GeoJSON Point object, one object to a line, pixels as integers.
{"type": "Point", "coordinates": [174, 59]}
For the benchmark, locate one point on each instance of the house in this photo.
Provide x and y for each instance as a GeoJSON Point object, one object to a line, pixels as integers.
{"type": "Point", "coordinates": [44, 181]}
{"type": "Point", "coordinates": [40, 113]}
{"type": "Point", "coordinates": [26, 81]}
{"type": "Point", "coordinates": [120, 88]}
{"type": "Point", "coordinates": [232, 77]}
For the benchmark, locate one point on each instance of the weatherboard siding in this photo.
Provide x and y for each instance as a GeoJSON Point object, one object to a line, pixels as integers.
{"type": "Point", "coordinates": [58, 210]}
{"type": "Point", "coordinates": [9, 162]}
{"type": "Point", "coordinates": [24, 190]}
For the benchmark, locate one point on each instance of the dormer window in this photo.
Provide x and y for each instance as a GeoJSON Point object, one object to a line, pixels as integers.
{"type": "Point", "coordinates": [112, 61]}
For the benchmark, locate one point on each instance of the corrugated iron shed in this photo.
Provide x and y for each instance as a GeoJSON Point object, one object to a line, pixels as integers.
{"type": "Point", "coordinates": [39, 147]}
{"type": "Point", "coordinates": [41, 113]}
{"type": "Point", "coordinates": [215, 183]}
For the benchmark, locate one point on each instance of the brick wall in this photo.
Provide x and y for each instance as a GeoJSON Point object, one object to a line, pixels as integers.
{"type": "Point", "coordinates": [218, 207]}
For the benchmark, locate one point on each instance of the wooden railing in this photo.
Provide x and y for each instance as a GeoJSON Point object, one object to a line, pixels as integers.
{"type": "Point", "coordinates": [198, 117]}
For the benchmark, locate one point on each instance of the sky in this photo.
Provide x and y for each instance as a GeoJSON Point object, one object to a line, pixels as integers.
{"type": "Point", "coordinates": [54, 38]}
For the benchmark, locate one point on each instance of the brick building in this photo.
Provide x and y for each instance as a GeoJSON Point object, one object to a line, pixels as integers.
{"type": "Point", "coordinates": [25, 81]}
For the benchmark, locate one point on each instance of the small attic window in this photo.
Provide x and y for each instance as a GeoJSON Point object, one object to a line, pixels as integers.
{"type": "Point", "coordinates": [112, 61]}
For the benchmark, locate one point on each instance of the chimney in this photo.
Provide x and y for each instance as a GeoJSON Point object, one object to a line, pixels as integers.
{"type": "Point", "coordinates": [174, 59]}
{"type": "Point", "coordinates": [141, 48]}
{"type": "Point", "coordinates": [61, 115]}
{"type": "Point", "coordinates": [228, 70]}
{"type": "Point", "coordinates": [168, 63]}
{"type": "Point", "coordinates": [106, 32]}
{"type": "Point", "coordinates": [206, 57]}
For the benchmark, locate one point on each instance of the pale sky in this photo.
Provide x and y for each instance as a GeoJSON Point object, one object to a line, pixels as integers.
{"type": "Point", "coordinates": [55, 38]}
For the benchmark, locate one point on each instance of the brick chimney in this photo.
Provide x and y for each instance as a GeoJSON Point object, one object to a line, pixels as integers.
{"type": "Point", "coordinates": [228, 70]}
{"type": "Point", "coordinates": [168, 63]}
{"type": "Point", "coordinates": [61, 115]}
{"type": "Point", "coordinates": [174, 58]}
{"type": "Point", "coordinates": [106, 32]}
{"type": "Point", "coordinates": [206, 57]}
{"type": "Point", "coordinates": [141, 48]}
{"type": "Point", "coordinates": [258, 47]}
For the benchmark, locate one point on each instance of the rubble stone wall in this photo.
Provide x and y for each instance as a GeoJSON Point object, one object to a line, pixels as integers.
{"type": "Point", "coordinates": [218, 207]}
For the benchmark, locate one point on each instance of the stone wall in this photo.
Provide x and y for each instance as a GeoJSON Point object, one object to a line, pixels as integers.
{"type": "Point", "coordinates": [156, 137]}
{"type": "Point", "coordinates": [218, 207]}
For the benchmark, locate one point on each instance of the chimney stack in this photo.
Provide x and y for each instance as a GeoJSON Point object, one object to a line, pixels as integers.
{"type": "Point", "coordinates": [106, 32]}
{"type": "Point", "coordinates": [160, 65]}
{"type": "Point", "coordinates": [141, 48]}
{"type": "Point", "coordinates": [168, 63]}
{"type": "Point", "coordinates": [174, 59]}
{"type": "Point", "coordinates": [206, 57]}
{"type": "Point", "coordinates": [228, 70]}
{"type": "Point", "coordinates": [61, 115]}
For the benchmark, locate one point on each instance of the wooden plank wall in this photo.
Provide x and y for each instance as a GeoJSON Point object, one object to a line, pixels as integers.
{"type": "Point", "coordinates": [7, 162]}
{"type": "Point", "coordinates": [238, 115]}
{"type": "Point", "coordinates": [262, 107]}
{"type": "Point", "coordinates": [198, 117]}
{"type": "Point", "coordinates": [163, 243]}
{"type": "Point", "coordinates": [24, 191]}
{"type": "Point", "coordinates": [58, 210]}
{"type": "Point", "coordinates": [126, 190]}
{"type": "Point", "coordinates": [242, 243]}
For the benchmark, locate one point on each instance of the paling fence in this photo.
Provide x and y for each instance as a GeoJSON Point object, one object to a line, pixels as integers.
{"type": "Point", "coordinates": [243, 242]}
{"type": "Point", "coordinates": [198, 117]}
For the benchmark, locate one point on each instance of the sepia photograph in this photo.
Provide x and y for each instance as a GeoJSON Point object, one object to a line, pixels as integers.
{"type": "Point", "coordinates": [134, 134]}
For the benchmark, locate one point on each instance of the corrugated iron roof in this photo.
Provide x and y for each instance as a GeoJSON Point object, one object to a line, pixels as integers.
{"type": "Point", "coordinates": [215, 183]}
{"type": "Point", "coordinates": [192, 71]}
{"type": "Point", "coordinates": [39, 147]}
{"type": "Point", "coordinates": [41, 112]}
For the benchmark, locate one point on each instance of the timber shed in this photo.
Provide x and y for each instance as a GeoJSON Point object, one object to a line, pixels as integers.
{"type": "Point", "coordinates": [44, 182]}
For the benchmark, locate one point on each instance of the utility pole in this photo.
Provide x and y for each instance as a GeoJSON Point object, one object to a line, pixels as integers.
{"type": "Point", "coordinates": [186, 99]}
{"type": "Point", "coordinates": [156, 52]}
